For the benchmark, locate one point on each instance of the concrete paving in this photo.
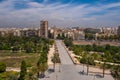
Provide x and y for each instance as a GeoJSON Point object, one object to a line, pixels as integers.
{"type": "Point", "coordinates": [64, 57]}
{"type": "Point", "coordinates": [68, 71]}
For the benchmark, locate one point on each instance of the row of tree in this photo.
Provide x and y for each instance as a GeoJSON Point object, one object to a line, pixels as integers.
{"type": "Point", "coordinates": [91, 36]}
{"type": "Point", "coordinates": [110, 38]}
{"type": "Point", "coordinates": [55, 59]}
{"type": "Point", "coordinates": [88, 59]}
{"type": "Point", "coordinates": [111, 52]}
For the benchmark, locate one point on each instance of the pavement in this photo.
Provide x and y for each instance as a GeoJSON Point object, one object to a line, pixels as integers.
{"type": "Point", "coordinates": [64, 57]}
{"type": "Point", "coordinates": [67, 70]}
{"type": "Point", "coordinates": [50, 55]}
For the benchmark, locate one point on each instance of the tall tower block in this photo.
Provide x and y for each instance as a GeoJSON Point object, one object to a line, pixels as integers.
{"type": "Point", "coordinates": [44, 29]}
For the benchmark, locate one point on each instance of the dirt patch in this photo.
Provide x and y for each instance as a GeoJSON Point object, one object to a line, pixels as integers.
{"type": "Point", "coordinates": [83, 42]}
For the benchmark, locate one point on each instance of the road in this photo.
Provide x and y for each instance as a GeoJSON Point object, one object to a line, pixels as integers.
{"type": "Point", "coordinates": [69, 71]}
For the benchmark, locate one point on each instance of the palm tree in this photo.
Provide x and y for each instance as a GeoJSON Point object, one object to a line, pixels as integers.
{"type": "Point", "coordinates": [41, 68]}
{"type": "Point", "coordinates": [105, 57]}
{"type": "Point", "coordinates": [104, 64]}
{"type": "Point", "coordinates": [42, 63]}
{"type": "Point", "coordinates": [87, 68]}
{"type": "Point", "coordinates": [32, 72]}
{"type": "Point", "coordinates": [88, 60]}
{"type": "Point", "coordinates": [115, 72]}
{"type": "Point", "coordinates": [55, 59]}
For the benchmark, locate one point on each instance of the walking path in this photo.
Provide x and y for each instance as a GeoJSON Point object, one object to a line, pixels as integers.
{"type": "Point", "coordinates": [64, 57]}
{"type": "Point", "coordinates": [50, 55]}
{"type": "Point", "coordinates": [69, 71]}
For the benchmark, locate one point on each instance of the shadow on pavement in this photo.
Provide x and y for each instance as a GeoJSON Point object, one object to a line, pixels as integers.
{"type": "Point", "coordinates": [99, 76]}
{"type": "Point", "coordinates": [82, 73]}
{"type": "Point", "coordinates": [50, 71]}
{"type": "Point", "coordinates": [41, 75]}
{"type": "Point", "coordinates": [96, 75]}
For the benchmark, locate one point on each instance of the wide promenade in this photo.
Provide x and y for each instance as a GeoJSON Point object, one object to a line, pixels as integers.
{"type": "Point", "coordinates": [68, 71]}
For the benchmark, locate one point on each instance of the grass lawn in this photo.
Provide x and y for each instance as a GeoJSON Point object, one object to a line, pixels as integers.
{"type": "Point", "coordinates": [14, 59]}
{"type": "Point", "coordinates": [9, 75]}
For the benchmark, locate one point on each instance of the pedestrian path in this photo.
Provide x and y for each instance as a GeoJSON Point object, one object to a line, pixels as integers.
{"type": "Point", "coordinates": [64, 57]}
{"type": "Point", "coordinates": [68, 71]}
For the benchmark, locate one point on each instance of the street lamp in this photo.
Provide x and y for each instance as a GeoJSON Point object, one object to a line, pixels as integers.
{"type": "Point", "coordinates": [56, 76]}
{"type": "Point", "coordinates": [83, 68]}
{"type": "Point", "coordinates": [59, 67]}
{"type": "Point", "coordinates": [94, 77]}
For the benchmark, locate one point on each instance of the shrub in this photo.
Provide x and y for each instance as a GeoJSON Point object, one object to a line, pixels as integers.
{"type": "Point", "coordinates": [2, 67]}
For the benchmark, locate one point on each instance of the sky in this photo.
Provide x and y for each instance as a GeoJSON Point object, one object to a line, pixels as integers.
{"type": "Point", "coordinates": [61, 13]}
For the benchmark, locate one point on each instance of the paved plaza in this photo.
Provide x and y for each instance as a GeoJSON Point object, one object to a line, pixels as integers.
{"type": "Point", "coordinates": [68, 71]}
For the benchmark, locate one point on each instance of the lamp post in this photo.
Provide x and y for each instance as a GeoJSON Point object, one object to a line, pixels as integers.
{"type": "Point", "coordinates": [56, 76]}
{"type": "Point", "coordinates": [59, 67]}
{"type": "Point", "coordinates": [83, 68]}
{"type": "Point", "coordinates": [94, 77]}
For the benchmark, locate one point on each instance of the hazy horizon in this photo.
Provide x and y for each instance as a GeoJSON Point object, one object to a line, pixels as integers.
{"type": "Point", "coordinates": [62, 13]}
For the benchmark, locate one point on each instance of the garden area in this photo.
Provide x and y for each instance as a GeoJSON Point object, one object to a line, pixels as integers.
{"type": "Point", "coordinates": [28, 54]}
{"type": "Point", "coordinates": [14, 59]}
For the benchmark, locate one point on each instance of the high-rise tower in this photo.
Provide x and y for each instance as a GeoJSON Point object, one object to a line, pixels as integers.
{"type": "Point", "coordinates": [44, 29]}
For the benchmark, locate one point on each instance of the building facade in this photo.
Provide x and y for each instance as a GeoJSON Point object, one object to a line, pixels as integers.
{"type": "Point", "coordinates": [29, 32]}
{"type": "Point", "coordinates": [118, 31]}
{"type": "Point", "coordinates": [44, 29]}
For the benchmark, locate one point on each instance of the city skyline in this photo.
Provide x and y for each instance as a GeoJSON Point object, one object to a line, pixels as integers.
{"type": "Point", "coordinates": [62, 13]}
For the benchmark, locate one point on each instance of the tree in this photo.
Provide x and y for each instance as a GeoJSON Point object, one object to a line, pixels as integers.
{"type": "Point", "coordinates": [89, 36]}
{"type": "Point", "coordinates": [104, 63]}
{"type": "Point", "coordinates": [15, 48]}
{"type": "Point", "coordinates": [29, 46]}
{"type": "Point", "coordinates": [107, 47]}
{"type": "Point", "coordinates": [23, 71]}
{"type": "Point", "coordinates": [88, 60]}
{"type": "Point", "coordinates": [42, 64]}
{"type": "Point", "coordinates": [68, 42]}
{"type": "Point", "coordinates": [31, 74]}
{"type": "Point", "coordinates": [88, 48]}
{"type": "Point", "coordinates": [77, 49]}
{"type": "Point", "coordinates": [115, 72]}
{"type": "Point", "coordinates": [44, 67]}
{"type": "Point", "coordinates": [116, 58]}
{"type": "Point", "coordinates": [2, 67]}
{"type": "Point", "coordinates": [61, 36]}
{"type": "Point", "coordinates": [55, 59]}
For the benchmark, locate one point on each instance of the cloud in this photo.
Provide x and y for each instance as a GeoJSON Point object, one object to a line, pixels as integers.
{"type": "Point", "coordinates": [113, 5]}
{"type": "Point", "coordinates": [57, 14]}
{"type": "Point", "coordinates": [35, 5]}
{"type": "Point", "coordinates": [88, 19]}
